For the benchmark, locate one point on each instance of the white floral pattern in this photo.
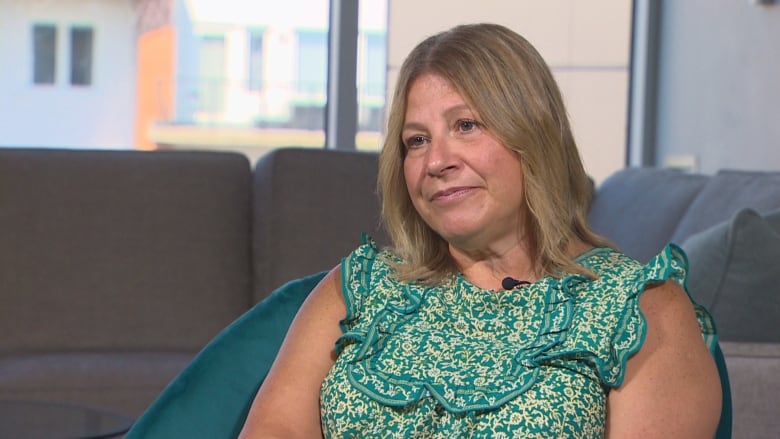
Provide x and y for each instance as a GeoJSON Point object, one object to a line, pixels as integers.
{"type": "Point", "coordinates": [455, 360]}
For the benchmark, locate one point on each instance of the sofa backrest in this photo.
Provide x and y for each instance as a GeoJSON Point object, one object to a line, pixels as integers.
{"type": "Point", "coordinates": [121, 250]}
{"type": "Point", "coordinates": [639, 208]}
{"type": "Point", "coordinates": [311, 206]}
{"type": "Point", "coordinates": [725, 194]}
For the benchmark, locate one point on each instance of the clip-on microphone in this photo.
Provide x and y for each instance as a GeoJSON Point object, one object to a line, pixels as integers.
{"type": "Point", "coordinates": [510, 283]}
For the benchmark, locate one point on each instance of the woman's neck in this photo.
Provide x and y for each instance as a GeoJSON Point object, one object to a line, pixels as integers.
{"type": "Point", "coordinates": [487, 268]}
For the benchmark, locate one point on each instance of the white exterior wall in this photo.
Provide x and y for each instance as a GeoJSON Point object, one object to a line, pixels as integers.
{"type": "Point", "coordinates": [100, 115]}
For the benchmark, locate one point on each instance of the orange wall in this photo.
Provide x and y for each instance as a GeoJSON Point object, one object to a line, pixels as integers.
{"type": "Point", "coordinates": [155, 82]}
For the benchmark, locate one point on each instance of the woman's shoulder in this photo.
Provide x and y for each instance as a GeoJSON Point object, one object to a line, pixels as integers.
{"type": "Point", "coordinates": [608, 306]}
{"type": "Point", "coordinates": [368, 254]}
{"type": "Point", "coordinates": [367, 276]}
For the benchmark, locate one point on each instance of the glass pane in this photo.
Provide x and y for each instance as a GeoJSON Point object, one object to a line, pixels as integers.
{"type": "Point", "coordinates": [251, 76]}
{"type": "Point", "coordinates": [371, 73]}
{"type": "Point", "coordinates": [211, 83]}
{"type": "Point", "coordinates": [44, 53]}
{"type": "Point", "coordinates": [255, 59]}
{"type": "Point", "coordinates": [308, 104]}
{"type": "Point", "coordinates": [81, 55]}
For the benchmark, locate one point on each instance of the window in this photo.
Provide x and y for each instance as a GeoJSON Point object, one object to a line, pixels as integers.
{"type": "Point", "coordinates": [81, 55]}
{"type": "Point", "coordinates": [372, 66]}
{"type": "Point", "coordinates": [312, 62]}
{"type": "Point", "coordinates": [375, 60]}
{"type": "Point", "coordinates": [255, 59]}
{"type": "Point", "coordinates": [372, 59]}
{"type": "Point", "coordinates": [308, 107]}
{"type": "Point", "coordinates": [44, 53]}
{"type": "Point", "coordinates": [212, 82]}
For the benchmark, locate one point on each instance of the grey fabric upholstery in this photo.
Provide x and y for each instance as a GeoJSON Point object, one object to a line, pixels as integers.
{"type": "Point", "coordinates": [734, 272]}
{"type": "Point", "coordinates": [727, 192]}
{"type": "Point", "coordinates": [311, 206]}
{"type": "Point", "coordinates": [116, 267]}
{"type": "Point", "coordinates": [755, 388]}
{"type": "Point", "coordinates": [125, 382]}
{"type": "Point", "coordinates": [179, 236]}
{"type": "Point", "coordinates": [639, 208]}
{"type": "Point", "coordinates": [117, 251]}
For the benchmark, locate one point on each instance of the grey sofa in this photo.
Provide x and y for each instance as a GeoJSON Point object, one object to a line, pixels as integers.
{"type": "Point", "coordinates": [729, 225]}
{"type": "Point", "coordinates": [116, 267]}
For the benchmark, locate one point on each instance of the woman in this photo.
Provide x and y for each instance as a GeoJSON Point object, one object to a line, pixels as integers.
{"type": "Point", "coordinates": [498, 312]}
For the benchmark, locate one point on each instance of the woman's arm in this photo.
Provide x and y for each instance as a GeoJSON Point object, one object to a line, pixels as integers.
{"type": "Point", "coordinates": [671, 387]}
{"type": "Point", "coordinates": [287, 404]}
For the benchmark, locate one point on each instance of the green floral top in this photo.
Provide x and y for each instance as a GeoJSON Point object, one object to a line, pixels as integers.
{"type": "Point", "coordinates": [455, 360]}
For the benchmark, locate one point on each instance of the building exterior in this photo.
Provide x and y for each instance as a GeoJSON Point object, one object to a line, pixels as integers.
{"type": "Point", "coordinates": [68, 73]}
{"type": "Point", "coordinates": [175, 73]}
{"type": "Point", "coordinates": [254, 75]}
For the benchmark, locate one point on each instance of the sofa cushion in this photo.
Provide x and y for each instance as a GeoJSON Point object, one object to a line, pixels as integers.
{"type": "Point", "coordinates": [311, 206]}
{"type": "Point", "coordinates": [734, 273]}
{"type": "Point", "coordinates": [639, 208]}
{"type": "Point", "coordinates": [122, 382]}
{"type": "Point", "coordinates": [726, 193]}
{"type": "Point", "coordinates": [121, 250]}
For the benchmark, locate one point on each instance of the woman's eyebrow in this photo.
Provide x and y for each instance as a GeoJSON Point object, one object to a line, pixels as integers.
{"type": "Point", "coordinates": [415, 126]}
{"type": "Point", "coordinates": [448, 113]}
{"type": "Point", "coordinates": [456, 109]}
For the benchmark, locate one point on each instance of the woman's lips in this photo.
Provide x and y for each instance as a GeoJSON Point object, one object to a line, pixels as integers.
{"type": "Point", "coordinates": [451, 193]}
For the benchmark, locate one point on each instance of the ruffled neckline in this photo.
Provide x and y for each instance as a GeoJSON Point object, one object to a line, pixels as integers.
{"type": "Point", "coordinates": [454, 322]}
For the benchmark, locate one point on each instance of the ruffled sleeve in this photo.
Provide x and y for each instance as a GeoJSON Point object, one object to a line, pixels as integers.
{"type": "Point", "coordinates": [364, 275]}
{"type": "Point", "coordinates": [608, 316]}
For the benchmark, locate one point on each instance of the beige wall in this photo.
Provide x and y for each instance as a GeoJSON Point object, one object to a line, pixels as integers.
{"type": "Point", "coordinates": [585, 43]}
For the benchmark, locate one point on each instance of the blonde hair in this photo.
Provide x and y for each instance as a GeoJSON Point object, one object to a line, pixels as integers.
{"type": "Point", "coordinates": [505, 80]}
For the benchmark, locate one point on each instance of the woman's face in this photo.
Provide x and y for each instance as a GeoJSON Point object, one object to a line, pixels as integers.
{"type": "Point", "coordinates": [465, 184]}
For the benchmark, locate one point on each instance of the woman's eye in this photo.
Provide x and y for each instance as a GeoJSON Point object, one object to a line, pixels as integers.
{"type": "Point", "coordinates": [415, 141]}
{"type": "Point", "coordinates": [466, 126]}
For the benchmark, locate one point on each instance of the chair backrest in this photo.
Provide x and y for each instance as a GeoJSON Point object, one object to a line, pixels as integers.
{"type": "Point", "coordinates": [310, 208]}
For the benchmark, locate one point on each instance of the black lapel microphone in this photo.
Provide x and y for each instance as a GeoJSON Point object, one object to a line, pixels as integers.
{"type": "Point", "coordinates": [510, 283]}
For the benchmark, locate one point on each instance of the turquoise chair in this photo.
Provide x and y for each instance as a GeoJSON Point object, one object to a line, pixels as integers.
{"type": "Point", "coordinates": [211, 397]}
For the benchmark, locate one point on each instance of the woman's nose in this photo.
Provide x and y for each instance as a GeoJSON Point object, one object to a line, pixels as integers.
{"type": "Point", "coordinates": [440, 157]}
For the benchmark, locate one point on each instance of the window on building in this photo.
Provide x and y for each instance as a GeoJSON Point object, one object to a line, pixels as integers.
{"type": "Point", "coordinates": [372, 60]}
{"type": "Point", "coordinates": [81, 42]}
{"type": "Point", "coordinates": [372, 67]}
{"type": "Point", "coordinates": [212, 82]}
{"type": "Point", "coordinates": [44, 53]}
{"type": "Point", "coordinates": [308, 107]}
{"type": "Point", "coordinates": [255, 59]}
{"type": "Point", "coordinates": [312, 61]}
